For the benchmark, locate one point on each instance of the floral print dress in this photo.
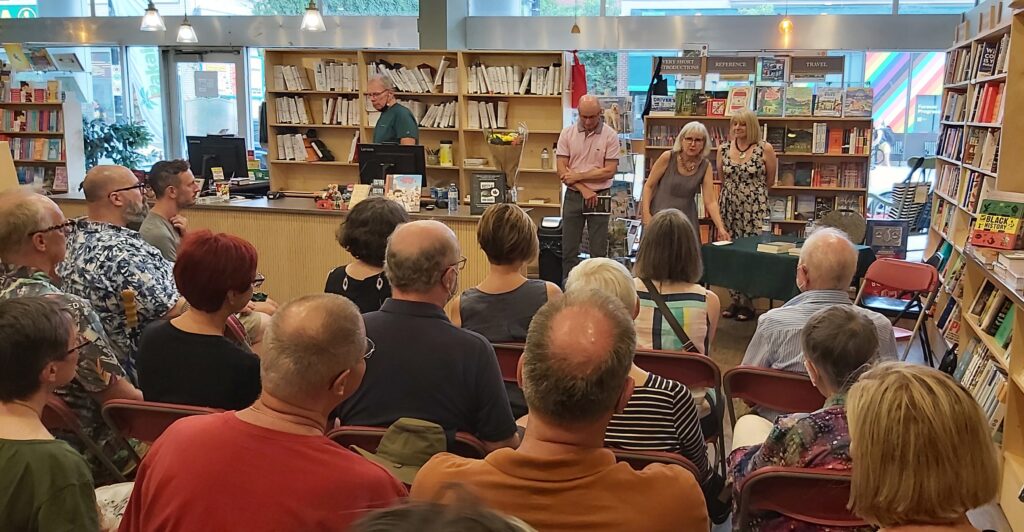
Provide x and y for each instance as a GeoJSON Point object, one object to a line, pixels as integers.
{"type": "Point", "coordinates": [744, 196]}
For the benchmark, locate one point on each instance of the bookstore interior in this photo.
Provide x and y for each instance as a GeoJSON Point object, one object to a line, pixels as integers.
{"type": "Point", "coordinates": [885, 117]}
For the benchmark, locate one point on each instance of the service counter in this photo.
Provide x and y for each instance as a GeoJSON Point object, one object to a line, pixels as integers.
{"type": "Point", "coordinates": [296, 242]}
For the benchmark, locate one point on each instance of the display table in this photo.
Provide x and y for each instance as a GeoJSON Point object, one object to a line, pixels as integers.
{"type": "Point", "coordinates": [739, 266]}
{"type": "Point", "coordinates": [296, 242]}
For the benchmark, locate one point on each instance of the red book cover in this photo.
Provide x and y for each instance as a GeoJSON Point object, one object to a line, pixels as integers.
{"type": "Point", "coordinates": [835, 141]}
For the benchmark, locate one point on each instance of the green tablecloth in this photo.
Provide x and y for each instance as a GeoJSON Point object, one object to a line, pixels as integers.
{"type": "Point", "coordinates": [740, 266]}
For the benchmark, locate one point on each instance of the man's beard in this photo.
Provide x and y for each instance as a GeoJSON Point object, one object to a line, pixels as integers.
{"type": "Point", "coordinates": [134, 215]}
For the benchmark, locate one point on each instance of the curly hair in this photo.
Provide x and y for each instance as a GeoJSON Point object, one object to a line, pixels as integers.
{"type": "Point", "coordinates": [364, 232]}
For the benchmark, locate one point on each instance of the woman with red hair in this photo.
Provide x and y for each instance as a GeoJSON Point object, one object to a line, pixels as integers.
{"type": "Point", "coordinates": [188, 360]}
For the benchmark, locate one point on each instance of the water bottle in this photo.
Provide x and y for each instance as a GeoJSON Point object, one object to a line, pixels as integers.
{"type": "Point", "coordinates": [545, 159]}
{"type": "Point", "coordinates": [453, 199]}
{"type": "Point", "coordinates": [766, 228]}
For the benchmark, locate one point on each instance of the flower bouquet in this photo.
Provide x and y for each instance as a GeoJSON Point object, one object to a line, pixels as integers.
{"type": "Point", "coordinates": [506, 149]}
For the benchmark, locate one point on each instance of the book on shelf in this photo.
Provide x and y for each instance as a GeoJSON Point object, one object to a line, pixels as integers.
{"type": "Point", "coordinates": [828, 102]}
{"type": "Point", "coordinates": [819, 137]}
{"type": "Point", "coordinates": [42, 176]}
{"type": "Point", "coordinates": [660, 105]}
{"type": "Point", "coordinates": [776, 136]}
{"type": "Point", "coordinates": [332, 75]}
{"type": "Point", "coordinates": [981, 148]}
{"type": "Point", "coordinates": [987, 104]}
{"type": "Point", "coordinates": [954, 107]}
{"type": "Point", "coordinates": [778, 207]}
{"type": "Point", "coordinates": [514, 79]}
{"type": "Point", "coordinates": [717, 106]}
{"type": "Point", "coordinates": [949, 142]}
{"type": "Point", "coordinates": [1012, 261]}
{"type": "Point", "coordinates": [291, 78]}
{"type": "Point", "coordinates": [999, 225]}
{"type": "Point", "coordinates": [775, 247]}
{"type": "Point", "coordinates": [803, 173]}
{"type": "Point", "coordinates": [985, 380]}
{"type": "Point", "coordinates": [858, 102]}
{"type": "Point", "coordinates": [799, 101]}
{"type": "Point", "coordinates": [405, 189]}
{"type": "Point", "coordinates": [416, 79]}
{"type": "Point", "coordinates": [30, 120]}
{"type": "Point", "coordinates": [1002, 54]}
{"type": "Point", "coordinates": [35, 148]}
{"type": "Point", "coordinates": [972, 191]}
{"type": "Point", "coordinates": [787, 174]}
{"type": "Point", "coordinates": [686, 102]}
{"type": "Point", "coordinates": [739, 99]}
{"type": "Point", "coordinates": [1000, 317]}
{"type": "Point", "coordinates": [441, 115]}
{"type": "Point", "coordinates": [292, 110]}
{"type": "Point", "coordinates": [339, 110]}
{"type": "Point", "coordinates": [991, 309]}
{"type": "Point", "coordinates": [799, 139]}
{"type": "Point", "coordinates": [769, 101]}
{"type": "Point", "coordinates": [60, 179]}
{"type": "Point", "coordinates": [987, 58]}
{"type": "Point", "coordinates": [489, 115]}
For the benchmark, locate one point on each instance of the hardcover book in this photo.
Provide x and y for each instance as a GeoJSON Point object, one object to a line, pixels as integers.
{"type": "Point", "coordinates": [859, 102]}
{"type": "Point", "coordinates": [998, 225]}
{"type": "Point", "coordinates": [769, 101]}
{"type": "Point", "coordinates": [828, 102]}
{"type": "Point", "coordinates": [798, 101]}
{"type": "Point", "coordinates": [405, 189]}
{"type": "Point", "coordinates": [739, 99]}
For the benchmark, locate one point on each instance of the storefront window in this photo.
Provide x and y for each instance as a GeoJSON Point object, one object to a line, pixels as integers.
{"type": "Point", "coordinates": [920, 7]}
{"type": "Point", "coordinates": [146, 98]}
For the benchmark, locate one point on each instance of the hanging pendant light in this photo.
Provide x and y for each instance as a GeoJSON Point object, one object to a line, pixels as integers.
{"type": "Point", "coordinates": [312, 20]}
{"type": "Point", "coordinates": [786, 24]}
{"type": "Point", "coordinates": [152, 21]}
{"type": "Point", "coordinates": [186, 33]}
{"type": "Point", "coordinates": [575, 18]}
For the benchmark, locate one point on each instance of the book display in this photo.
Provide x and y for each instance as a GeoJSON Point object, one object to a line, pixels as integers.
{"type": "Point", "coordinates": [822, 138]}
{"type": "Point", "coordinates": [454, 96]}
{"type": "Point", "coordinates": [45, 136]}
{"type": "Point", "coordinates": [977, 220]}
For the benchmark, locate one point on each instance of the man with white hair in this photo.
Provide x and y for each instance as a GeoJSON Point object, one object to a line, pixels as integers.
{"type": "Point", "coordinates": [396, 124]}
{"type": "Point", "coordinates": [587, 156]}
{"type": "Point", "coordinates": [828, 262]}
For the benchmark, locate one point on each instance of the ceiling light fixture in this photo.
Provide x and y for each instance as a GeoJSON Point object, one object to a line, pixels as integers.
{"type": "Point", "coordinates": [152, 21]}
{"type": "Point", "coordinates": [186, 33]}
{"type": "Point", "coordinates": [313, 20]}
{"type": "Point", "coordinates": [575, 18]}
{"type": "Point", "coordinates": [786, 25]}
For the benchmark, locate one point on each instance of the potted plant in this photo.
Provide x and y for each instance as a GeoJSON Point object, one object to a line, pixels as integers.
{"type": "Point", "coordinates": [120, 142]}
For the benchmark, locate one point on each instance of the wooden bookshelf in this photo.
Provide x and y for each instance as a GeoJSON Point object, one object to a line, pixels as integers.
{"type": "Point", "coordinates": [542, 114]}
{"type": "Point", "coordinates": [69, 131]}
{"type": "Point", "coordinates": [962, 183]}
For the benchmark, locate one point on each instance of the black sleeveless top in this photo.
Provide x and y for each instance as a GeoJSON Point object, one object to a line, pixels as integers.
{"type": "Point", "coordinates": [368, 294]}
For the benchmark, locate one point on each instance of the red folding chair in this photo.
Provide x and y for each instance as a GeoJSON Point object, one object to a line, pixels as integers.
{"type": "Point", "coordinates": [641, 459]}
{"type": "Point", "coordinates": [693, 370]}
{"type": "Point", "coordinates": [465, 444]}
{"type": "Point", "coordinates": [57, 415]}
{"type": "Point", "coordinates": [915, 285]}
{"type": "Point", "coordinates": [146, 420]}
{"type": "Point", "coordinates": [781, 391]}
{"type": "Point", "coordinates": [816, 496]}
{"type": "Point", "coordinates": [508, 360]}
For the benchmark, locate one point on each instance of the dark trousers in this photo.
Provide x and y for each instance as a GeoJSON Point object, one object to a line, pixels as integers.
{"type": "Point", "coordinates": [573, 221]}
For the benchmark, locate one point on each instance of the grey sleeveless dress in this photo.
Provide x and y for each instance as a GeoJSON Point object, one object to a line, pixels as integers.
{"type": "Point", "coordinates": [678, 191]}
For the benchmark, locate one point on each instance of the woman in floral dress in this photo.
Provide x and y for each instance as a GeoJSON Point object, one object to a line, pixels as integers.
{"type": "Point", "coordinates": [747, 166]}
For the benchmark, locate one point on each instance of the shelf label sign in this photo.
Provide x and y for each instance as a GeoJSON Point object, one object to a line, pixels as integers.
{"type": "Point", "coordinates": [732, 67]}
{"type": "Point", "coordinates": [815, 67]}
{"type": "Point", "coordinates": [685, 66]}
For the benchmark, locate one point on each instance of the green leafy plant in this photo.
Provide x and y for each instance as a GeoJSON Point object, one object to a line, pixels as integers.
{"type": "Point", "coordinates": [119, 142]}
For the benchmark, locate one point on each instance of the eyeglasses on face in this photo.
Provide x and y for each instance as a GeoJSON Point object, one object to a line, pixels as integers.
{"type": "Point", "coordinates": [80, 346]}
{"type": "Point", "coordinates": [460, 265]}
{"type": "Point", "coordinates": [258, 281]}
{"type": "Point", "coordinates": [370, 348]}
{"type": "Point", "coordinates": [694, 140]}
{"type": "Point", "coordinates": [66, 227]}
{"type": "Point", "coordinates": [377, 94]}
{"type": "Point", "coordinates": [140, 185]}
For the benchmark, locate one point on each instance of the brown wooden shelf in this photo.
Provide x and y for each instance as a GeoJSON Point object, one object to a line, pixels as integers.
{"type": "Point", "coordinates": [32, 161]}
{"type": "Point", "coordinates": [32, 133]}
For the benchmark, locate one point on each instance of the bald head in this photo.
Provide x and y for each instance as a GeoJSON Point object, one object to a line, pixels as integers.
{"type": "Point", "coordinates": [589, 104]}
{"type": "Point", "coordinates": [829, 260]}
{"type": "Point", "coordinates": [22, 212]}
{"type": "Point", "coordinates": [104, 179]}
{"type": "Point", "coordinates": [418, 255]}
{"type": "Point", "coordinates": [578, 353]}
{"type": "Point", "coordinates": [309, 342]}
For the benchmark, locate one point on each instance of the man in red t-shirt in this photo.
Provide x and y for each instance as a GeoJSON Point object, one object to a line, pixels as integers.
{"type": "Point", "coordinates": [269, 467]}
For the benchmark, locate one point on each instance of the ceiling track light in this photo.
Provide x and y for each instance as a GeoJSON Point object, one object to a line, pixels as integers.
{"type": "Point", "coordinates": [151, 20]}
{"type": "Point", "coordinates": [313, 20]}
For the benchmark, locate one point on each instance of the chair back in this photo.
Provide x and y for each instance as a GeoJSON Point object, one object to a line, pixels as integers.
{"type": "Point", "coordinates": [465, 445]}
{"type": "Point", "coordinates": [785, 490]}
{"type": "Point", "coordinates": [692, 369]}
{"type": "Point", "coordinates": [508, 359]}
{"type": "Point", "coordinates": [641, 459]}
{"type": "Point", "coordinates": [145, 420]}
{"type": "Point", "coordinates": [58, 416]}
{"type": "Point", "coordinates": [780, 391]}
{"type": "Point", "coordinates": [903, 275]}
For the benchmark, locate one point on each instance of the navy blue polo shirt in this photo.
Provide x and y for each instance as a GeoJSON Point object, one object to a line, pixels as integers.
{"type": "Point", "coordinates": [425, 367]}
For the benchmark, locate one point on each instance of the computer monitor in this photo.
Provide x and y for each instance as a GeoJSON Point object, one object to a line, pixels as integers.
{"type": "Point", "coordinates": [379, 160]}
{"type": "Point", "coordinates": [228, 153]}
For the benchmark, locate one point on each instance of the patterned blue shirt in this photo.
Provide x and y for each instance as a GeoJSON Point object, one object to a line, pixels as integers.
{"type": "Point", "coordinates": [105, 259]}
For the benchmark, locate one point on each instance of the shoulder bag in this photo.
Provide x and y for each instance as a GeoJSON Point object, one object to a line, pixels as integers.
{"type": "Point", "coordinates": [667, 315]}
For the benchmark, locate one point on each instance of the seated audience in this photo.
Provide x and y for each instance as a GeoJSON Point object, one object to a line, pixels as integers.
{"type": "Point", "coordinates": [436, 517]}
{"type": "Point", "coordinates": [174, 188]}
{"type": "Point", "coordinates": [838, 344]}
{"type": "Point", "coordinates": [670, 259]}
{"type": "Point", "coordinates": [105, 258]}
{"type": "Point", "coordinates": [501, 306]}
{"type": "Point", "coordinates": [364, 235]}
{"type": "Point", "coordinates": [44, 484]}
{"type": "Point", "coordinates": [575, 373]}
{"type": "Point", "coordinates": [923, 449]}
{"type": "Point", "coordinates": [661, 415]}
{"type": "Point", "coordinates": [828, 262]}
{"type": "Point", "coordinates": [187, 360]}
{"type": "Point", "coordinates": [33, 236]}
{"type": "Point", "coordinates": [425, 367]}
{"type": "Point", "coordinates": [269, 467]}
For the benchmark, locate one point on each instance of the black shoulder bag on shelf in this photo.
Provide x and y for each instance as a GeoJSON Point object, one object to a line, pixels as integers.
{"type": "Point", "coordinates": [667, 315]}
{"type": "Point", "coordinates": [658, 87]}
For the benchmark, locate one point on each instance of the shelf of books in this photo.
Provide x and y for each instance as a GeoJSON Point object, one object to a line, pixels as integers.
{"type": "Point", "coordinates": [44, 132]}
{"type": "Point", "coordinates": [977, 220]}
{"type": "Point", "coordinates": [455, 95]}
{"type": "Point", "coordinates": [822, 139]}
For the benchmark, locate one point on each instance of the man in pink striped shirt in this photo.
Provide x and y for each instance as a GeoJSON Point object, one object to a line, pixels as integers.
{"type": "Point", "coordinates": [588, 155]}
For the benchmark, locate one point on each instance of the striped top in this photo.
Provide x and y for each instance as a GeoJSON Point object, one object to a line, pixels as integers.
{"type": "Point", "coordinates": [660, 416]}
{"type": "Point", "coordinates": [689, 306]}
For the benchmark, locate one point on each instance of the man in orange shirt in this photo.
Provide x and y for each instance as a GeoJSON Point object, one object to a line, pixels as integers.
{"type": "Point", "coordinates": [575, 375]}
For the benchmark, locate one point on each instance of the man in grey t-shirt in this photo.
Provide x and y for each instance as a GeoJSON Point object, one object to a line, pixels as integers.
{"type": "Point", "coordinates": [175, 188]}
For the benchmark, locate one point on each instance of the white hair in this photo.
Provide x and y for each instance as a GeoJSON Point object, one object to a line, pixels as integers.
{"type": "Point", "coordinates": [383, 80]}
{"type": "Point", "coordinates": [830, 258]}
{"type": "Point", "coordinates": [607, 276]}
{"type": "Point", "coordinates": [693, 127]}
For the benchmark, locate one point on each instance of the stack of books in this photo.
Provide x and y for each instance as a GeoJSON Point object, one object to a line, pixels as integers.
{"type": "Point", "coordinates": [776, 248]}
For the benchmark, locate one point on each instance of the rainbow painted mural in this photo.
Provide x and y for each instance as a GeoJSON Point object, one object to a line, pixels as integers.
{"type": "Point", "coordinates": [891, 73]}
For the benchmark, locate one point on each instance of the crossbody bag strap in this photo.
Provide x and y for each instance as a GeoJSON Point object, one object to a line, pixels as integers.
{"type": "Point", "coordinates": [666, 313]}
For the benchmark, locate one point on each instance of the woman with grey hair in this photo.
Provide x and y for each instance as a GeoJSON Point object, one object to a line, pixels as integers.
{"type": "Point", "coordinates": [679, 174]}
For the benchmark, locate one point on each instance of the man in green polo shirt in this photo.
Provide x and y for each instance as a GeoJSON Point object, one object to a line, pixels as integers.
{"type": "Point", "coordinates": [396, 125]}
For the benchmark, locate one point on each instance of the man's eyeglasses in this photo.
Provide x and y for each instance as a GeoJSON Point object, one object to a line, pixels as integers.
{"type": "Point", "coordinates": [140, 185]}
{"type": "Point", "coordinates": [258, 281]}
{"type": "Point", "coordinates": [370, 348]}
{"type": "Point", "coordinates": [66, 227]}
{"type": "Point", "coordinates": [80, 346]}
{"type": "Point", "coordinates": [377, 94]}
{"type": "Point", "coordinates": [461, 265]}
